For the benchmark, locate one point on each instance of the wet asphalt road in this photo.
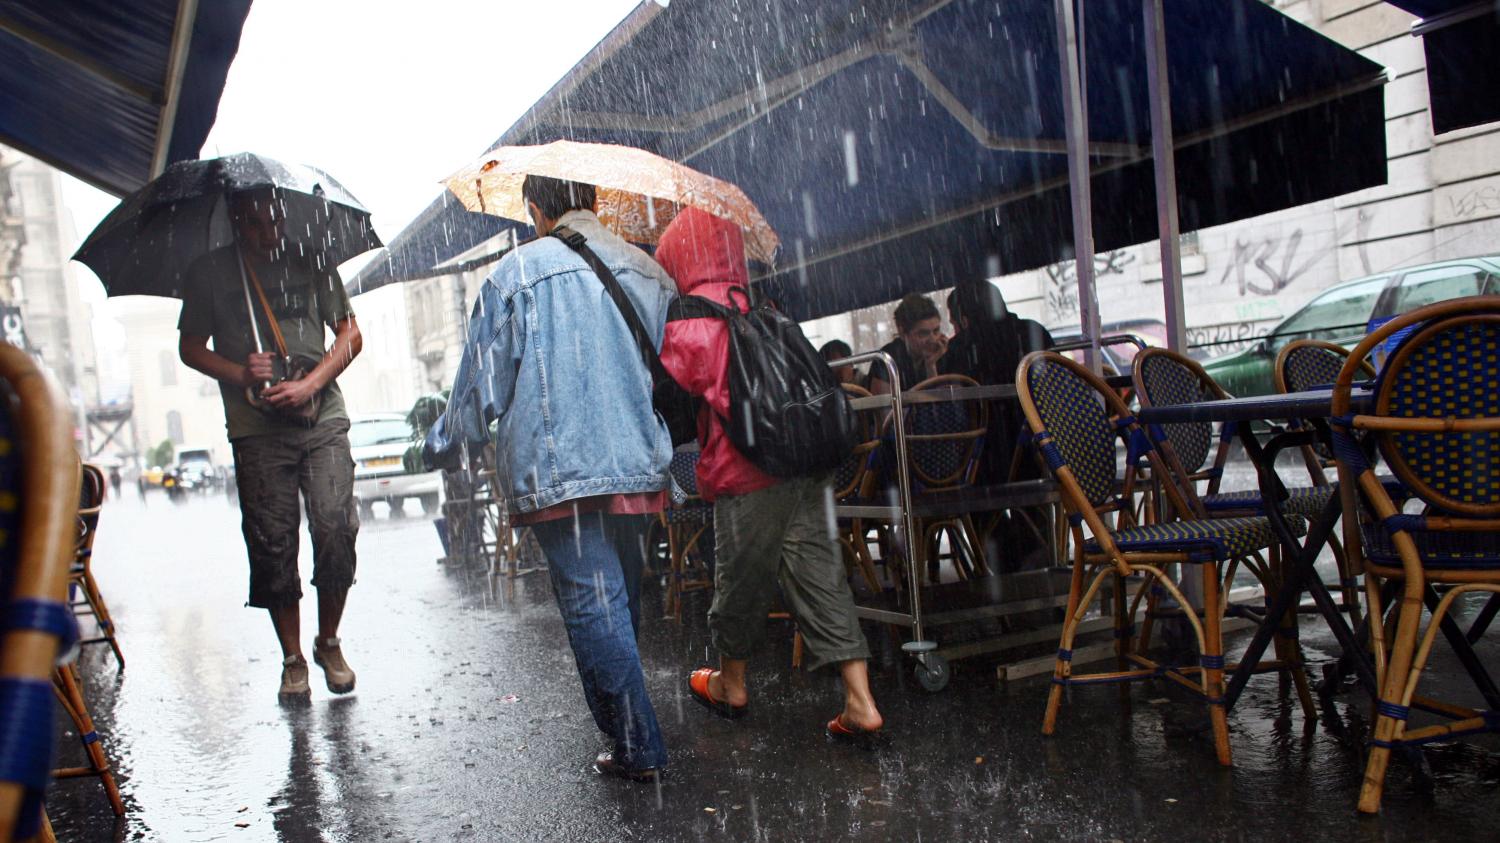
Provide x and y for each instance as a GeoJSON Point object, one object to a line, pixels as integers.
{"type": "Point", "coordinates": [468, 724]}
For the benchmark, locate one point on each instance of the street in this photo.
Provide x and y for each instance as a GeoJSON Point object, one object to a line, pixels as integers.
{"type": "Point", "coordinates": [468, 724]}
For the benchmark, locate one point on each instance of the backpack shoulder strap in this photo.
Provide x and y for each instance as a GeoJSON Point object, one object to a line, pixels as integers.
{"type": "Point", "coordinates": [697, 307]}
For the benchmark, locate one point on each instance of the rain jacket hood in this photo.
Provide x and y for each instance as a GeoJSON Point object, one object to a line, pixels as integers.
{"type": "Point", "coordinates": [705, 255]}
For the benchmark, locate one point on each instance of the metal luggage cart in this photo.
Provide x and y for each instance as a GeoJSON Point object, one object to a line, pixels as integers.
{"type": "Point", "coordinates": [991, 596]}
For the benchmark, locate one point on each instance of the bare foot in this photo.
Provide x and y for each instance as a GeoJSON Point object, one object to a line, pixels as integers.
{"type": "Point", "coordinates": [862, 716]}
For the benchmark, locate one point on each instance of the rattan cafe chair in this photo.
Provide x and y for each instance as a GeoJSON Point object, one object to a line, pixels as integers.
{"type": "Point", "coordinates": [1164, 378]}
{"type": "Point", "coordinates": [687, 524]}
{"type": "Point", "coordinates": [1309, 364]}
{"type": "Point", "coordinates": [1075, 418]}
{"type": "Point", "coordinates": [38, 504]}
{"type": "Point", "coordinates": [87, 599]}
{"type": "Point", "coordinates": [1436, 423]}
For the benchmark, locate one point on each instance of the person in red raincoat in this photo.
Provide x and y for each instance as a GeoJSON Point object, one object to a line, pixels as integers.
{"type": "Point", "coordinates": [769, 531]}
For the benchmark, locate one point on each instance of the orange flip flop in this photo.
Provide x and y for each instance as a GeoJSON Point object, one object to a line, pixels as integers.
{"type": "Point", "coordinates": [840, 732]}
{"type": "Point", "coordinates": [698, 686]}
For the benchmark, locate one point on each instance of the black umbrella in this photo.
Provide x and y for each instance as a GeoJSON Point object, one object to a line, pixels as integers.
{"type": "Point", "coordinates": [145, 246]}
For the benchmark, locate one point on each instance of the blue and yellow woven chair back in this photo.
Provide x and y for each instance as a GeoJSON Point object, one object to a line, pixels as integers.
{"type": "Point", "coordinates": [943, 439]}
{"type": "Point", "coordinates": [851, 478]}
{"type": "Point", "coordinates": [1164, 378]}
{"type": "Point", "coordinates": [1436, 422]}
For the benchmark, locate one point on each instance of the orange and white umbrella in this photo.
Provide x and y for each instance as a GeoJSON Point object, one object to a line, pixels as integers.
{"type": "Point", "coordinates": [639, 192]}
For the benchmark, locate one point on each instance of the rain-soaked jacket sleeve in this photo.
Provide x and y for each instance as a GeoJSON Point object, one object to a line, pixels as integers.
{"type": "Point", "coordinates": [481, 388]}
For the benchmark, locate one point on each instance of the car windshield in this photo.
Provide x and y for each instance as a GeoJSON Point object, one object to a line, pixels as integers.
{"type": "Point", "coordinates": [379, 432]}
{"type": "Point", "coordinates": [1334, 313]}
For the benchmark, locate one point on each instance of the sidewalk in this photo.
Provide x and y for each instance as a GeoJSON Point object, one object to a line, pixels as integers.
{"type": "Point", "coordinates": [469, 725]}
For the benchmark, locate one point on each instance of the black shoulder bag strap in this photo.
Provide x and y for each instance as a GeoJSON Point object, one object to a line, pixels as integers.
{"type": "Point", "coordinates": [676, 406]}
{"type": "Point", "coordinates": [579, 244]}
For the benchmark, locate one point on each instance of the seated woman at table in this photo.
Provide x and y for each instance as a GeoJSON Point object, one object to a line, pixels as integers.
{"type": "Point", "coordinates": [768, 531]}
{"type": "Point", "coordinates": [834, 351]}
{"type": "Point", "coordinates": [917, 348]}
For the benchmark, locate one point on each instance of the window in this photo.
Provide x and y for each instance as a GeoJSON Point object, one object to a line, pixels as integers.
{"type": "Point", "coordinates": [1429, 286]}
{"type": "Point", "coordinates": [174, 426]}
{"type": "Point", "coordinates": [168, 368]}
{"type": "Point", "coordinates": [1338, 313]}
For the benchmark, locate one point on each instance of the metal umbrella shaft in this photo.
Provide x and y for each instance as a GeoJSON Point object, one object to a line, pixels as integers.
{"type": "Point", "coordinates": [249, 302]}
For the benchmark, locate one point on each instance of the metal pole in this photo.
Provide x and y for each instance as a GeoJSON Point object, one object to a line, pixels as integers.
{"type": "Point", "coordinates": [918, 645]}
{"type": "Point", "coordinates": [1075, 116]}
{"type": "Point", "coordinates": [1164, 161]}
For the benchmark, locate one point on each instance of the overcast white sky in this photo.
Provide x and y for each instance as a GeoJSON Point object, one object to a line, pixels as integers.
{"type": "Point", "coordinates": [388, 97]}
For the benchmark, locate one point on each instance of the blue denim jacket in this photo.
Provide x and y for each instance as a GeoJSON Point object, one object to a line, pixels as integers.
{"type": "Point", "coordinates": [550, 358]}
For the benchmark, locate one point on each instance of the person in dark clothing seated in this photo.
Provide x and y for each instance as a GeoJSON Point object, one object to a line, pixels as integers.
{"type": "Point", "coordinates": [835, 350]}
{"type": "Point", "coordinates": [990, 340]}
{"type": "Point", "coordinates": [988, 346]}
{"type": "Point", "coordinates": [919, 346]}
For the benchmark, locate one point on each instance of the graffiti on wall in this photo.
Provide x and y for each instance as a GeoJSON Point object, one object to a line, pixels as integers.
{"type": "Point", "coordinates": [1475, 201]}
{"type": "Point", "coordinates": [1214, 340]}
{"type": "Point", "coordinates": [1062, 282]}
{"type": "Point", "coordinates": [1267, 266]}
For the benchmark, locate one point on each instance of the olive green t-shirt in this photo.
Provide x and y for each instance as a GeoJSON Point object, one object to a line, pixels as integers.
{"type": "Point", "coordinates": [304, 296]}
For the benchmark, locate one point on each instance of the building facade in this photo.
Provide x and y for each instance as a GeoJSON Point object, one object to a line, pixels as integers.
{"type": "Point", "coordinates": [43, 311]}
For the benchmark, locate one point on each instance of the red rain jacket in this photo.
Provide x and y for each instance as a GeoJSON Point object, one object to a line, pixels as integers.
{"type": "Point", "coordinates": [705, 255]}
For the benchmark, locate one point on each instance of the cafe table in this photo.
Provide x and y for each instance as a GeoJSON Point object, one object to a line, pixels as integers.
{"type": "Point", "coordinates": [1314, 407]}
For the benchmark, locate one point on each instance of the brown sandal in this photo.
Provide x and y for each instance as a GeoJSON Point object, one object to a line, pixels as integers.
{"type": "Point", "coordinates": [698, 686]}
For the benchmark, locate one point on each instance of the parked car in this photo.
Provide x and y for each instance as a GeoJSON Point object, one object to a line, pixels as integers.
{"type": "Point", "coordinates": [1344, 313]}
{"type": "Point", "coordinates": [378, 442]}
{"type": "Point", "coordinates": [1118, 356]}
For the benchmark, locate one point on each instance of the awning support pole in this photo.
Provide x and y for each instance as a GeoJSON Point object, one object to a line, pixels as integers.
{"type": "Point", "coordinates": [1075, 111]}
{"type": "Point", "coordinates": [1164, 162]}
{"type": "Point", "coordinates": [182, 38]}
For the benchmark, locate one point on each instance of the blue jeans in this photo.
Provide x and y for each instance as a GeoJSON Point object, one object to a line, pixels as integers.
{"type": "Point", "coordinates": [595, 562]}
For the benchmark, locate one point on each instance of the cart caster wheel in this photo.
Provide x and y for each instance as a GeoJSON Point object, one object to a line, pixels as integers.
{"type": "Point", "coordinates": [934, 675]}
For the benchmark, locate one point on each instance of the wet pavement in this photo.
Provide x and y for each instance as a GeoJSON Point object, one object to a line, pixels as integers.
{"type": "Point", "coordinates": [468, 724]}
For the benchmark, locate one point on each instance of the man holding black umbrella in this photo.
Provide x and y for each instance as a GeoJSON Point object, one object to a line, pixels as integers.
{"type": "Point", "coordinates": [264, 303]}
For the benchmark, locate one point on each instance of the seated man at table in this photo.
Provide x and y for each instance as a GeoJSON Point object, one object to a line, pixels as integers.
{"type": "Point", "coordinates": [988, 347]}
{"type": "Point", "coordinates": [918, 347]}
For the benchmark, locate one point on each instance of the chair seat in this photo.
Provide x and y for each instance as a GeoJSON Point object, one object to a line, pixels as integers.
{"type": "Point", "coordinates": [1442, 550]}
{"type": "Point", "coordinates": [1206, 540]}
{"type": "Point", "coordinates": [1306, 501]}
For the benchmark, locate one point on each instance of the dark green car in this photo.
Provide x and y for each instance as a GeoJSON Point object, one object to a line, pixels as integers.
{"type": "Point", "coordinates": [1342, 314]}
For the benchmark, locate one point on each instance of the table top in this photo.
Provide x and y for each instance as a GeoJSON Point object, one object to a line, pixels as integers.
{"type": "Point", "coordinates": [1312, 404]}
{"type": "Point", "coordinates": [965, 501]}
{"type": "Point", "coordinates": [939, 394]}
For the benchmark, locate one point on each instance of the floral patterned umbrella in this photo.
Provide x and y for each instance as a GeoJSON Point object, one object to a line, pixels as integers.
{"type": "Point", "coordinates": [639, 192]}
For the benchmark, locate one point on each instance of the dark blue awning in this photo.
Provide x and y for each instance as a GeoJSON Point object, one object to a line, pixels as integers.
{"type": "Point", "coordinates": [903, 145]}
{"type": "Point", "coordinates": [111, 91]}
{"type": "Point", "coordinates": [1463, 74]}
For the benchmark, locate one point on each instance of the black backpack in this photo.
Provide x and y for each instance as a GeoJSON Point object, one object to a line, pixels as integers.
{"type": "Point", "coordinates": [788, 414]}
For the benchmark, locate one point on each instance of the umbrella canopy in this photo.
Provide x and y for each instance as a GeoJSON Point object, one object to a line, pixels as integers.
{"type": "Point", "coordinates": [147, 243]}
{"type": "Point", "coordinates": [639, 193]}
{"type": "Point", "coordinates": [904, 145]}
{"type": "Point", "coordinates": [112, 91]}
